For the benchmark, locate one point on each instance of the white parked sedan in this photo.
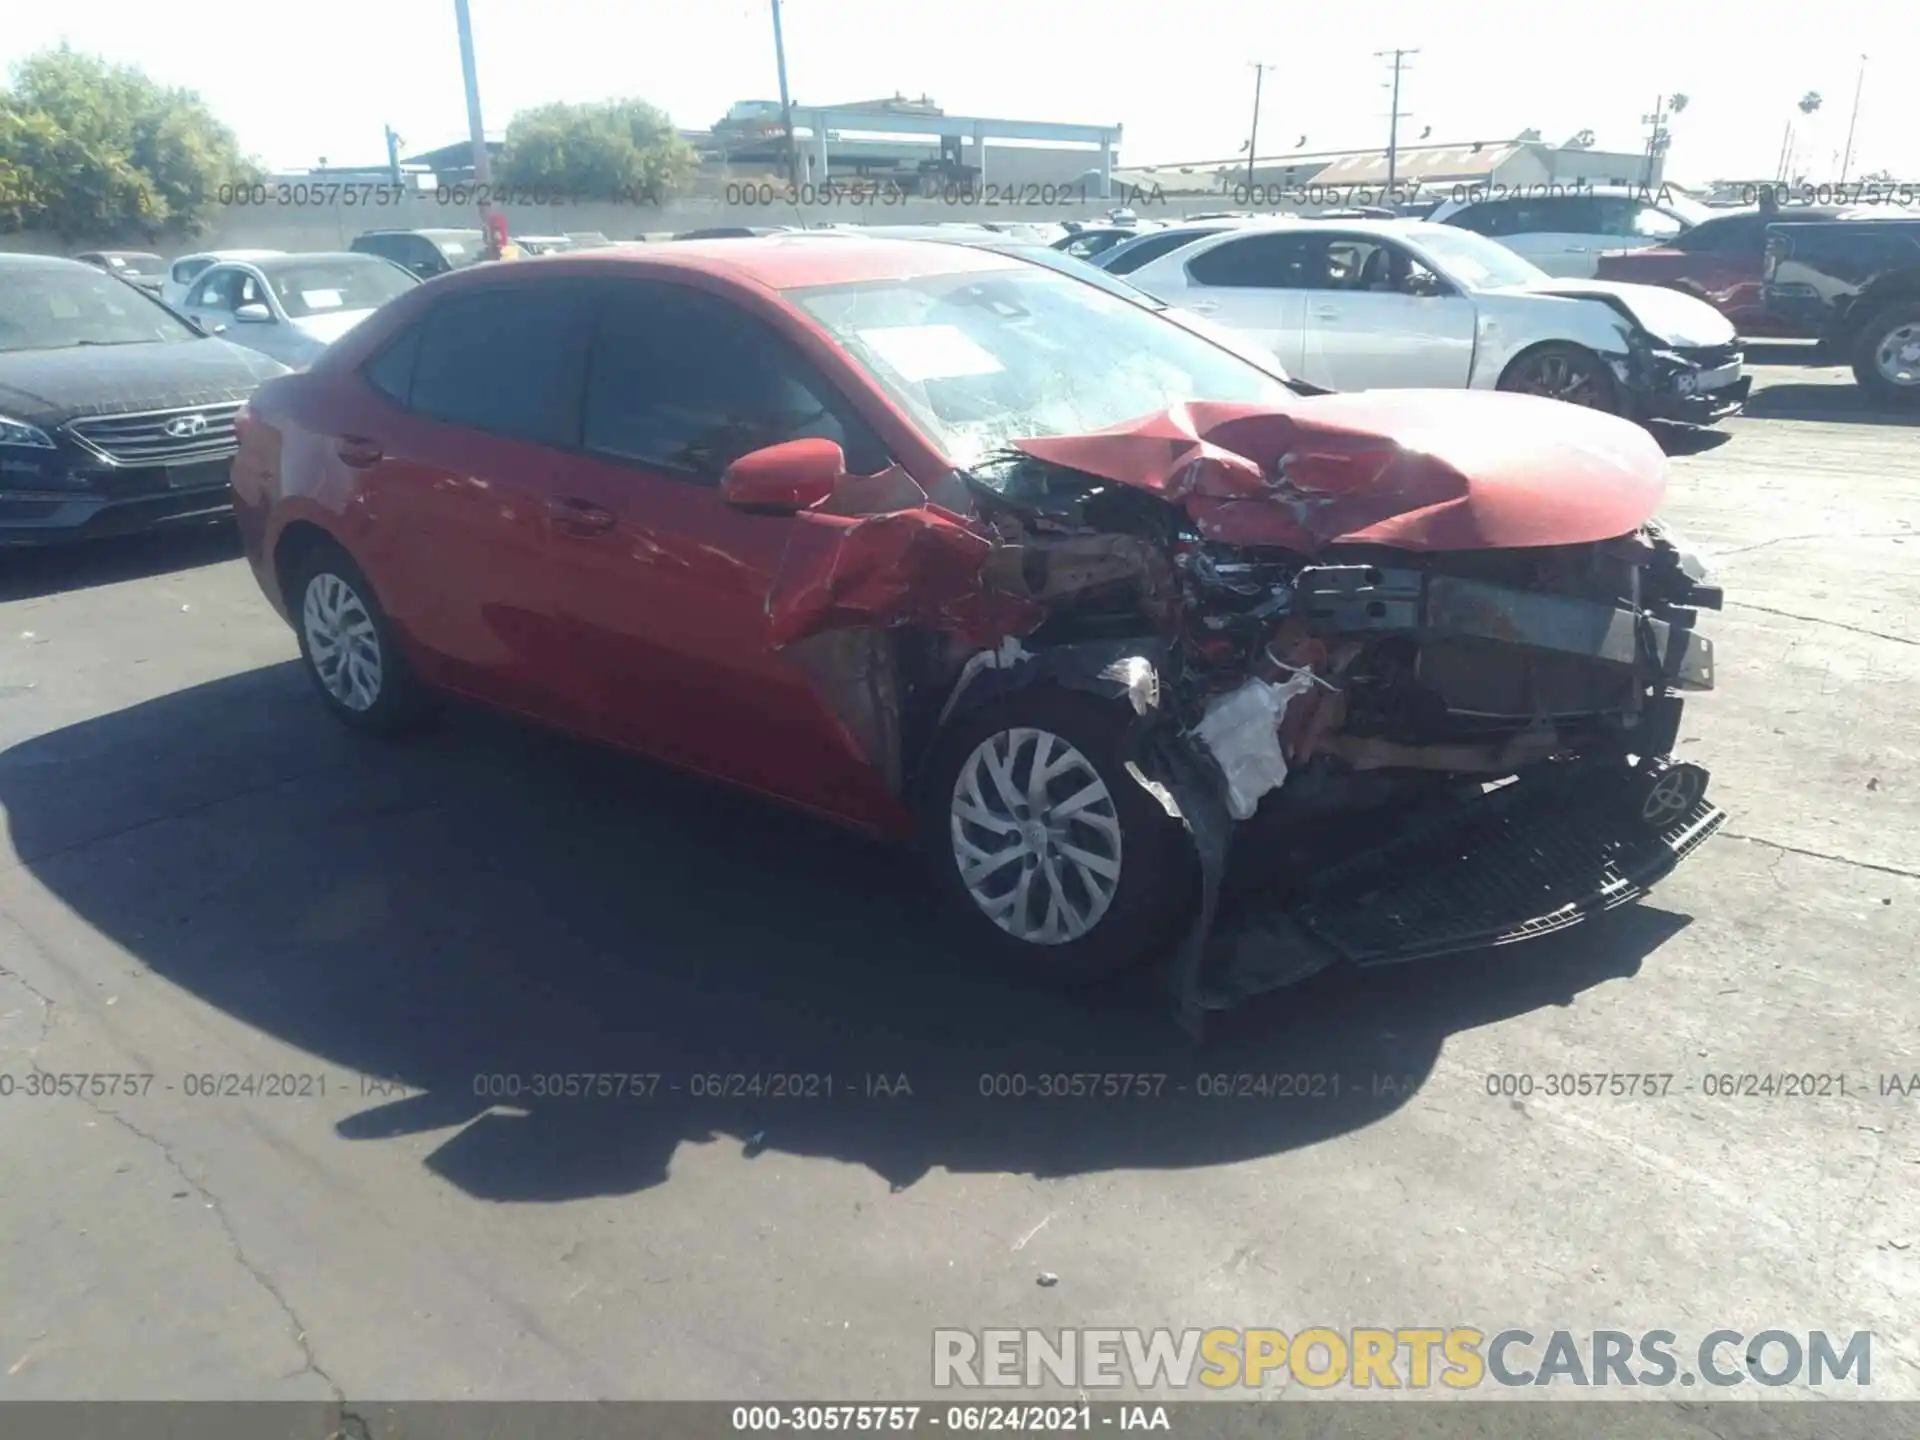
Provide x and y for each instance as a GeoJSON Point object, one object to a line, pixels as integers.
{"type": "Point", "coordinates": [1365, 305]}
{"type": "Point", "coordinates": [188, 268]}
{"type": "Point", "coordinates": [294, 306]}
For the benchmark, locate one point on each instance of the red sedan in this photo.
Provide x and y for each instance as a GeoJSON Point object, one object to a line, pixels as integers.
{"type": "Point", "coordinates": [1719, 261]}
{"type": "Point", "coordinates": [929, 540]}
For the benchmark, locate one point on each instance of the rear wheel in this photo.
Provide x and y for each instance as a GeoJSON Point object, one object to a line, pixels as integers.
{"type": "Point", "coordinates": [1566, 372]}
{"type": "Point", "coordinates": [1886, 358]}
{"type": "Point", "coordinates": [347, 645]}
{"type": "Point", "coordinates": [1048, 855]}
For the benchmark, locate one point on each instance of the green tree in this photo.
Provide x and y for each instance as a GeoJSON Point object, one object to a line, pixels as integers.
{"type": "Point", "coordinates": [99, 151]}
{"type": "Point", "coordinates": [610, 150]}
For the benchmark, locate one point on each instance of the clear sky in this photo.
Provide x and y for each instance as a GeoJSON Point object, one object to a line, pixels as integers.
{"type": "Point", "coordinates": [301, 81]}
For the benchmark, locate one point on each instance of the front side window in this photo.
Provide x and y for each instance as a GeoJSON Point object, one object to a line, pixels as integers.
{"type": "Point", "coordinates": [689, 383]}
{"type": "Point", "coordinates": [219, 290]}
{"type": "Point", "coordinates": [503, 360]}
{"type": "Point", "coordinates": [185, 272]}
{"type": "Point", "coordinates": [983, 359]}
{"type": "Point", "coordinates": [1651, 223]}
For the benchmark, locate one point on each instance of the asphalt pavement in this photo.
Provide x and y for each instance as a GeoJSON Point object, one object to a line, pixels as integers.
{"type": "Point", "coordinates": [202, 876]}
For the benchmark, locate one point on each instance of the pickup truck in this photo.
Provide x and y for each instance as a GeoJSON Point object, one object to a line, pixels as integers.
{"type": "Point", "coordinates": [1855, 284]}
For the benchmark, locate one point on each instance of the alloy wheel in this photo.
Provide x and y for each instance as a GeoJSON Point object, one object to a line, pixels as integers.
{"type": "Point", "coordinates": [342, 643]}
{"type": "Point", "coordinates": [1036, 836]}
{"type": "Point", "coordinates": [1561, 377]}
{"type": "Point", "coordinates": [1897, 356]}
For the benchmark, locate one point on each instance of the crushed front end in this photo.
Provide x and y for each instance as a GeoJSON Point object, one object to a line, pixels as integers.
{"type": "Point", "coordinates": [1694, 385]}
{"type": "Point", "coordinates": [1406, 697]}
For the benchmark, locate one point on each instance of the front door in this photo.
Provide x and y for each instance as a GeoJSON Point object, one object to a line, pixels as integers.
{"type": "Point", "coordinates": [659, 586]}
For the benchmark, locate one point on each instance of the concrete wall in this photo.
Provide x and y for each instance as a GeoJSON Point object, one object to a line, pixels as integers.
{"type": "Point", "coordinates": [331, 227]}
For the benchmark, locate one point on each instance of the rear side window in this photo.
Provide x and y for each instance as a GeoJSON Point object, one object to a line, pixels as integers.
{"type": "Point", "coordinates": [1146, 251]}
{"type": "Point", "coordinates": [506, 361]}
{"type": "Point", "coordinates": [1268, 262]}
{"type": "Point", "coordinates": [391, 371]}
{"type": "Point", "coordinates": [687, 382]}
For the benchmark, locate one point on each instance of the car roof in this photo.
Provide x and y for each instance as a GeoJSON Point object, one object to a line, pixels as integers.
{"type": "Point", "coordinates": [22, 261]}
{"type": "Point", "coordinates": [425, 234]}
{"type": "Point", "coordinates": [774, 262]}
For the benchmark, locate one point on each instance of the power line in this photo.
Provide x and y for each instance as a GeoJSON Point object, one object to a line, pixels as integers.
{"type": "Point", "coordinates": [1394, 115]}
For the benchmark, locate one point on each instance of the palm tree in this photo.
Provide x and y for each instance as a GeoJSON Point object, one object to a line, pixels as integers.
{"type": "Point", "coordinates": [1809, 102]}
{"type": "Point", "coordinates": [1677, 103]}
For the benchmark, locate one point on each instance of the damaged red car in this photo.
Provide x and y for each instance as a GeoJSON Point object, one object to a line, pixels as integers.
{"type": "Point", "coordinates": [1155, 655]}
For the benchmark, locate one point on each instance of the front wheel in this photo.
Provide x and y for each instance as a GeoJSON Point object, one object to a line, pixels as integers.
{"type": "Point", "coordinates": [1566, 372]}
{"type": "Point", "coordinates": [1886, 358]}
{"type": "Point", "coordinates": [1049, 856]}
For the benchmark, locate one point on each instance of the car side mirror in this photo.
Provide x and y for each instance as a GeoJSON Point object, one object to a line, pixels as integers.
{"type": "Point", "coordinates": [254, 314]}
{"type": "Point", "coordinates": [1424, 285]}
{"type": "Point", "coordinates": [786, 478]}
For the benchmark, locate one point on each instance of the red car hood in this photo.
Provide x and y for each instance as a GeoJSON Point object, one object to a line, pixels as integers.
{"type": "Point", "coordinates": [1416, 470]}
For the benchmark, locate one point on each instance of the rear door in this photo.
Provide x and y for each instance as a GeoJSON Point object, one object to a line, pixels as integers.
{"type": "Point", "coordinates": [1562, 234]}
{"type": "Point", "coordinates": [459, 469]}
{"type": "Point", "coordinates": [1257, 284]}
{"type": "Point", "coordinates": [659, 585]}
{"type": "Point", "coordinates": [1377, 318]}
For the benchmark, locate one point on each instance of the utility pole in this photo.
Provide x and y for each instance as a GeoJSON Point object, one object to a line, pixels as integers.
{"type": "Point", "coordinates": [1394, 115]}
{"type": "Point", "coordinates": [786, 103]}
{"type": "Point", "coordinates": [1253, 135]}
{"type": "Point", "coordinates": [1847, 160]}
{"type": "Point", "coordinates": [1786, 143]}
{"type": "Point", "coordinates": [393, 156]}
{"type": "Point", "coordinates": [482, 171]}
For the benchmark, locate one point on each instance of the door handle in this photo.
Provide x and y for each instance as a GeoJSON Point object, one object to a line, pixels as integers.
{"type": "Point", "coordinates": [1326, 312]}
{"type": "Point", "coordinates": [1203, 307]}
{"type": "Point", "coordinates": [359, 453]}
{"type": "Point", "coordinates": [580, 517]}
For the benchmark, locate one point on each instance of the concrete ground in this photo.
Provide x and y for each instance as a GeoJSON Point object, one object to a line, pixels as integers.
{"type": "Point", "coordinates": [202, 875]}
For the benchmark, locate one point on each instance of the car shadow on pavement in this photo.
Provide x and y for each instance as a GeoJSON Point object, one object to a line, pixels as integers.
{"type": "Point", "coordinates": [27, 573]}
{"type": "Point", "coordinates": [1838, 404]}
{"type": "Point", "coordinates": [1676, 440]}
{"type": "Point", "coordinates": [460, 914]}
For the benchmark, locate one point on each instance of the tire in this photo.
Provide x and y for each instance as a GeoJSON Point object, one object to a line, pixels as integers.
{"type": "Point", "coordinates": [336, 614]}
{"type": "Point", "coordinates": [1110, 920]}
{"type": "Point", "coordinates": [1895, 329]}
{"type": "Point", "coordinates": [1560, 371]}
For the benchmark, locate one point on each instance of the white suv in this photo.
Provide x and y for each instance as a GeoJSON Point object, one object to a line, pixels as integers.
{"type": "Point", "coordinates": [1563, 231]}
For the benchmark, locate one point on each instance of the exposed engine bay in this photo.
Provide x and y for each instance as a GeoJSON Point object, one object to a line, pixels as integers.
{"type": "Point", "coordinates": [1288, 665]}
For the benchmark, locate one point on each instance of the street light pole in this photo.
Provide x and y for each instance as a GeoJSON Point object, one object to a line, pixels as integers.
{"type": "Point", "coordinates": [482, 171]}
{"type": "Point", "coordinates": [1253, 135]}
{"type": "Point", "coordinates": [1861, 80]}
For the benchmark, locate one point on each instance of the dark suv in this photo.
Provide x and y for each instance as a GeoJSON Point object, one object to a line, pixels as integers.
{"type": "Point", "coordinates": [426, 253]}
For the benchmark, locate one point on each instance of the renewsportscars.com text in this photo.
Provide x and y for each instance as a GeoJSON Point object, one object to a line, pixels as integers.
{"type": "Point", "coordinates": [1415, 1358]}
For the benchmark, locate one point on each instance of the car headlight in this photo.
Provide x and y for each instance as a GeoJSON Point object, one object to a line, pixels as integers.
{"type": "Point", "coordinates": [18, 432]}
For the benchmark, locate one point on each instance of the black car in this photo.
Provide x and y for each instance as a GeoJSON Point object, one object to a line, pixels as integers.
{"type": "Point", "coordinates": [1855, 284]}
{"type": "Point", "coordinates": [136, 267]}
{"type": "Point", "coordinates": [115, 413]}
{"type": "Point", "coordinates": [426, 253]}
